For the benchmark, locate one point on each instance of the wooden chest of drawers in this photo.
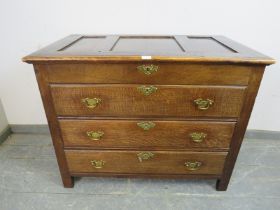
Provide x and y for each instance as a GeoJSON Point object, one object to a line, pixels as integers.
{"type": "Point", "coordinates": [148, 106]}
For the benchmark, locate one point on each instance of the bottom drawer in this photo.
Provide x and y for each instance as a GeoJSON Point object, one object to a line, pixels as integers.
{"type": "Point", "coordinates": [152, 162]}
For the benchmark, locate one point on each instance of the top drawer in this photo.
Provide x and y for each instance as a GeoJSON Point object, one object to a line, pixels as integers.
{"type": "Point", "coordinates": [146, 73]}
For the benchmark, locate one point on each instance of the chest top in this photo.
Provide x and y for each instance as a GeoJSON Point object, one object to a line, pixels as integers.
{"type": "Point", "coordinates": [181, 48]}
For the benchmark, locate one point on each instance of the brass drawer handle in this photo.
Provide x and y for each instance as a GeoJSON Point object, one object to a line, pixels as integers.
{"type": "Point", "coordinates": [91, 103]}
{"type": "Point", "coordinates": [148, 69]}
{"type": "Point", "coordinates": [98, 163]}
{"type": "Point", "coordinates": [147, 90]}
{"type": "Point", "coordinates": [198, 136]}
{"type": "Point", "coordinates": [95, 135]}
{"type": "Point", "coordinates": [193, 165]}
{"type": "Point", "coordinates": [203, 104]}
{"type": "Point", "coordinates": [146, 125]}
{"type": "Point", "coordinates": [145, 156]}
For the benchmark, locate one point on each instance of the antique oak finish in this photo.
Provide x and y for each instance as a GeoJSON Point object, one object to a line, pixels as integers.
{"type": "Point", "coordinates": [130, 101]}
{"type": "Point", "coordinates": [148, 106]}
{"type": "Point", "coordinates": [165, 134]}
{"type": "Point", "coordinates": [160, 162]}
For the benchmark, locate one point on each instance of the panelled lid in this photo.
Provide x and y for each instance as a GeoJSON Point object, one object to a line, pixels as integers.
{"type": "Point", "coordinates": [156, 48]}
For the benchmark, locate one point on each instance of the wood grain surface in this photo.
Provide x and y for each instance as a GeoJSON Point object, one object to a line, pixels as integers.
{"type": "Point", "coordinates": [127, 134]}
{"type": "Point", "coordinates": [167, 73]}
{"type": "Point", "coordinates": [160, 163]}
{"type": "Point", "coordinates": [127, 100]}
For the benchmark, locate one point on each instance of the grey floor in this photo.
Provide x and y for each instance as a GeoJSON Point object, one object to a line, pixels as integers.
{"type": "Point", "coordinates": [29, 179]}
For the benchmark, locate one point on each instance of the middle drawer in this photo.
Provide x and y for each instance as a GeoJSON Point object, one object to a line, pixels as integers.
{"type": "Point", "coordinates": [148, 101]}
{"type": "Point", "coordinates": [146, 134]}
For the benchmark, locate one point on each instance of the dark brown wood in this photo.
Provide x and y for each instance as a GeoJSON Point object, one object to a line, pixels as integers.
{"type": "Point", "coordinates": [41, 76]}
{"type": "Point", "coordinates": [167, 74]}
{"type": "Point", "coordinates": [127, 100]}
{"type": "Point", "coordinates": [190, 67]}
{"type": "Point", "coordinates": [79, 161]}
{"type": "Point", "coordinates": [82, 48]}
{"type": "Point", "coordinates": [127, 134]}
{"type": "Point", "coordinates": [241, 126]}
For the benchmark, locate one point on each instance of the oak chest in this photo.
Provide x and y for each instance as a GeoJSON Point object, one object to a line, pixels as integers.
{"type": "Point", "coordinates": [148, 106]}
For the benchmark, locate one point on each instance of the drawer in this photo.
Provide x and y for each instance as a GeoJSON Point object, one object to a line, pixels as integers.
{"type": "Point", "coordinates": [146, 134]}
{"type": "Point", "coordinates": [141, 162]}
{"type": "Point", "coordinates": [143, 101]}
{"type": "Point", "coordinates": [162, 73]}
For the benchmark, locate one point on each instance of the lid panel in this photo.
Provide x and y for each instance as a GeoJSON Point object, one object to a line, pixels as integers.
{"type": "Point", "coordinates": [208, 44]}
{"type": "Point", "coordinates": [86, 43]}
{"type": "Point", "coordinates": [147, 44]}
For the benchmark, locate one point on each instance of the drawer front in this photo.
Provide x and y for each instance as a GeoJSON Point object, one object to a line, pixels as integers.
{"type": "Point", "coordinates": [141, 162]}
{"type": "Point", "coordinates": [144, 73]}
{"type": "Point", "coordinates": [146, 134]}
{"type": "Point", "coordinates": [161, 100]}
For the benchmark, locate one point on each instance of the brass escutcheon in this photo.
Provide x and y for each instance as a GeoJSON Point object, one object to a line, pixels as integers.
{"type": "Point", "coordinates": [147, 90]}
{"type": "Point", "coordinates": [146, 125]}
{"type": "Point", "coordinates": [91, 102]}
{"type": "Point", "coordinates": [198, 136]}
{"type": "Point", "coordinates": [98, 163]}
{"type": "Point", "coordinates": [145, 156]}
{"type": "Point", "coordinates": [193, 165]}
{"type": "Point", "coordinates": [95, 135]}
{"type": "Point", "coordinates": [148, 69]}
{"type": "Point", "coordinates": [203, 104]}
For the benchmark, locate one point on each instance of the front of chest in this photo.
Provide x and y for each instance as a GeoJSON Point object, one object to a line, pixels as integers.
{"type": "Point", "coordinates": [147, 118]}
